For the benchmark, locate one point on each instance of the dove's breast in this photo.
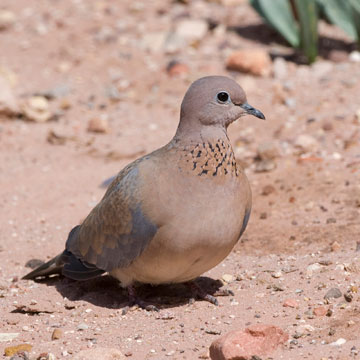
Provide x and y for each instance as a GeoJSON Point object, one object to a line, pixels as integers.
{"type": "Point", "coordinates": [199, 211]}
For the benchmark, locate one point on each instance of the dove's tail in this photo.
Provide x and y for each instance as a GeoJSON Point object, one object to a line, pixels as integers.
{"type": "Point", "coordinates": [53, 266]}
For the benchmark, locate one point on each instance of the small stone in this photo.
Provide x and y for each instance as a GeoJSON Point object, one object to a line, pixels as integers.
{"type": "Point", "coordinates": [309, 206]}
{"type": "Point", "coordinates": [192, 30]}
{"type": "Point", "coordinates": [113, 94]}
{"type": "Point", "coordinates": [7, 19]}
{"type": "Point", "coordinates": [290, 102]}
{"type": "Point", "coordinates": [57, 334]}
{"type": "Point", "coordinates": [333, 293]}
{"type": "Point", "coordinates": [265, 166]}
{"type": "Point", "coordinates": [8, 336]}
{"type": "Point", "coordinates": [312, 268]}
{"type": "Point", "coordinates": [292, 303]}
{"type": "Point", "coordinates": [330, 220]}
{"type": "Point", "coordinates": [267, 151]}
{"type": "Point", "coordinates": [36, 108]}
{"type": "Point", "coordinates": [338, 342]}
{"type": "Point", "coordinates": [205, 355]}
{"type": "Point", "coordinates": [327, 126]}
{"type": "Point", "coordinates": [12, 350]}
{"type": "Point", "coordinates": [335, 246]}
{"type": "Point", "coordinates": [227, 278]}
{"type": "Point", "coordinates": [175, 69]}
{"type": "Point", "coordinates": [34, 263]}
{"type": "Point", "coordinates": [154, 41]}
{"type": "Point", "coordinates": [348, 296]}
{"type": "Point", "coordinates": [322, 68]}
{"type": "Point", "coordinates": [8, 102]}
{"type": "Point", "coordinates": [98, 125]}
{"type": "Point", "coordinates": [253, 61]}
{"type": "Point", "coordinates": [22, 355]}
{"type": "Point", "coordinates": [267, 190]}
{"type": "Point", "coordinates": [354, 56]}
{"type": "Point", "coordinates": [320, 311]}
{"type": "Point", "coordinates": [82, 327]}
{"type": "Point", "coordinates": [46, 356]}
{"type": "Point", "coordinates": [276, 274]}
{"type": "Point", "coordinates": [243, 344]}
{"type": "Point", "coordinates": [99, 353]}
{"type": "Point", "coordinates": [306, 143]}
{"type": "Point", "coordinates": [263, 215]}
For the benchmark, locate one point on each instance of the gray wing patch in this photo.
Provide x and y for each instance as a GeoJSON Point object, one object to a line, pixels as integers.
{"type": "Point", "coordinates": [116, 231]}
{"type": "Point", "coordinates": [127, 246]}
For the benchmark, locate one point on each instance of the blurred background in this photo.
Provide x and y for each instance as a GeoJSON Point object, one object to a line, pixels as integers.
{"type": "Point", "coordinates": [88, 86]}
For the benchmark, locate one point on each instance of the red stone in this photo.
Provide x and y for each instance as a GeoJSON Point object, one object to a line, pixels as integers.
{"type": "Point", "coordinates": [257, 340]}
{"type": "Point", "coordinates": [292, 303]}
{"type": "Point", "coordinates": [320, 311]}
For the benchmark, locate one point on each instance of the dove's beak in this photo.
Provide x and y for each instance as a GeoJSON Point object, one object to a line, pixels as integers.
{"type": "Point", "coordinates": [252, 111]}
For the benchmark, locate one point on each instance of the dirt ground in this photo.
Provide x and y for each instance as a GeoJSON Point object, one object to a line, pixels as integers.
{"type": "Point", "coordinates": [101, 60]}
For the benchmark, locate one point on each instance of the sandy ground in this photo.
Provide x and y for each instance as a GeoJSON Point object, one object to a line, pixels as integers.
{"type": "Point", "coordinates": [306, 209]}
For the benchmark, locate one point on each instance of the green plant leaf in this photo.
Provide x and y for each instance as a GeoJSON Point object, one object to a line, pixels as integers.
{"type": "Point", "coordinates": [339, 13]}
{"type": "Point", "coordinates": [355, 5]}
{"type": "Point", "coordinates": [307, 12]}
{"type": "Point", "coordinates": [279, 15]}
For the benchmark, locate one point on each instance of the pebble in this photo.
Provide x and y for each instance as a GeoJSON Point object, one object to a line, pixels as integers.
{"type": "Point", "coordinates": [98, 125]}
{"type": "Point", "coordinates": [267, 190]}
{"type": "Point", "coordinates": [354, 56]}
{"type": "Point", "coordinates": [348, 296]}
{"type": "Point", "coordinates": [292, 303]}
{"type": "Point", "coordinates": [57, 334]}
{"type": "Point", "coordinates": [312, 268]}
{"type": "Point", "coordinates": [36, 108]}
{"type": "Point", "coordinates": [82, 327]}
{"type": "Point", "coordinates": [227, 278]}
{"type": "Point", "coordinates": [8, 336]}
{"type": "Point", "coordinates": [306, 143]}
{"type": "Point", "coordinates": [46, 356]}
{"type": "Point", "coordinates": [175, 69]}
{"type": "Point", "coordinates": [320, 311]}
{"type": "Point", "coordinates": [154, 41]}
{"type": "Point", "coordinates": [276, 274]}
{"type": "Point", "coordinates": [8, 102]}
{"type": "Point", "coordinates": [333, 293]}
{"type": "Point", "coordinates": [265, 166]}
{"type": "Point", "coordinates": [322, 68]}
{"type": "Point", "coordinates": [22, 355]}
{"type": "Point", "coordinates": [335, 246]}
{"type": "Point", "coordinates": [7, 19]}
{"type": "Point", "coordinates": [253, 61]}
{"type": "Point", "coordinates": [338, 342]}
{"type": "Point", "coordinates": [192, 30]}
{"type": "Point", "coordinates": [12, 350]}
{"type": "Point", "coordinates": [267, 151]}
{"type": "Point", "coordinates": [243, 344]}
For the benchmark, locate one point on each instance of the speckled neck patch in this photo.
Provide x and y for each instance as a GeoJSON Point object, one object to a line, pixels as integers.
{"type": "Point", "coordinates": [211, 159]}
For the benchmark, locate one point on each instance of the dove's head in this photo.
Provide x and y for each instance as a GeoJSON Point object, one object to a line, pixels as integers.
{"type": "Point", "coordinates": [214, 101]}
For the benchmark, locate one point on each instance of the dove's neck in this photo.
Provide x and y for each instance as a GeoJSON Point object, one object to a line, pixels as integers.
{"type": "Point", "coordinates": [190, 133]}
{"type": "Point", "coordinates": [206, 152]}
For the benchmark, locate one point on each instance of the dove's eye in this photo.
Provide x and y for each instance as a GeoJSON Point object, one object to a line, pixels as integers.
{"type": "Point", "coordinates": [223, 97]}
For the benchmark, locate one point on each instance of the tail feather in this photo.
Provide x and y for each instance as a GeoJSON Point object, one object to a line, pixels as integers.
{"type": "Point", "coordinates": [68, 265]}
{"type": "Point", "coordinates": [53, 266]}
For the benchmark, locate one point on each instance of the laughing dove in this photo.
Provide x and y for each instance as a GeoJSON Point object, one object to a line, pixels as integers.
{"type": "Point", "coordinates": [171, 215]}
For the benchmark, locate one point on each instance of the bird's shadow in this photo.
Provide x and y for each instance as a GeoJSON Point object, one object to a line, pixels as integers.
{"type": "Point", "coordinates": [105, 291]}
